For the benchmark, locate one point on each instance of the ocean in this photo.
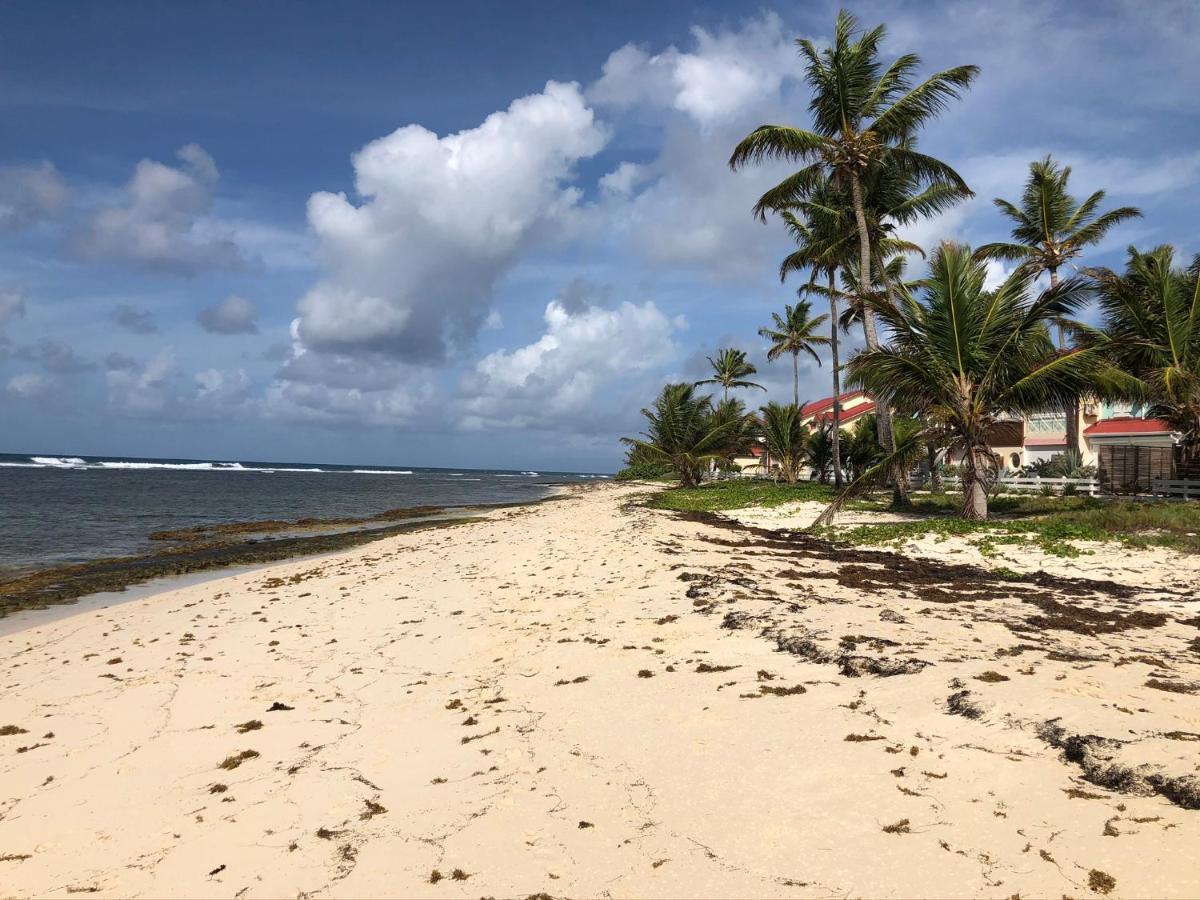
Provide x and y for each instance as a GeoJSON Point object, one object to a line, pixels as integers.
{"type": "Point", "coordinates": [65, 509]}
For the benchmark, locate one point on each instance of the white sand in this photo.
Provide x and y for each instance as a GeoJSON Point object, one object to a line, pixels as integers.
{"type": "Point", "coordinates": [431, 728]}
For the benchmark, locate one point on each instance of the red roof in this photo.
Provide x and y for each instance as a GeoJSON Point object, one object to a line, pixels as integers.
{"type": "Point", "coordinates": [1128, 426]}
{"type": "Point", "coordinates": [826, 404]}
{"type": "Point", "coordinates": [845, 416]}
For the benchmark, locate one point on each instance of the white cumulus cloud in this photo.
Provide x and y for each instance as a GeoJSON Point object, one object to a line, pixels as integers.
{"type": "Point", "coordinates": [233, 315]}
{"type": "Point", "coordinates": [29, 194]}
{"type": "Point", "coordinates": [411, 263]}
{"type": "Point", "coordinates": [29, 386]}
{"type": "Point", "coordinates": [718, 78]}
{"type": "Point", "coordinates": [164, 223]}
{"type": "Point", "coordinates": [568, 374]}
{"type": "Point", "coordinates": [12, 306]}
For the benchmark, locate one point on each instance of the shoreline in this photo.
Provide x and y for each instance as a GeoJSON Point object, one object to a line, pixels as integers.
{"type": "Point", "coordinates": [228, 545]}
{"type": "Point", "coordinates": [596, 698]}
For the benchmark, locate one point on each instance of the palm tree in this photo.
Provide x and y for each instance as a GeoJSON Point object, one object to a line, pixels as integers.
{"type": "Point", "coordinates": [730, 369]}
{"type": "Point", "coordinates": [685, 432]}
{"type": "Point", "coordinates": [893, 197]}
{"type": "Point", "coordinates": [819, 451]}
{"type": "Point", "coordinates": [794, 332]}
{"type": "Point", "coordinates": [862, 450]}
{"type": "Point", "coordinates": [1049, 230]}
{"type": "Point", "coordinates": [1049, 227]}
{"type": "Point", "coordinates": [864, 116]}
{"type": "Point", "coordinates": [962, 357]}
{"type": "Point", "coordinates": [785, 437]}
{"type": "Point", "coordinates": [1152, 320]}
{"type": "Point", "coordinates": [742, 431]}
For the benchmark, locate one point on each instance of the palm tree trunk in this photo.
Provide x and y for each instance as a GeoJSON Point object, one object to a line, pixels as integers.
{"type": "Point", "coordinates": [837, 385]}
{"type": "Point", "coordinates": [796, 378]}
{"type": "Point", "coordinates": [1072, 431]}
{"type": "Point", "coordinates": [935, 473]}
{"type": "Point", "coordinates": [900, 486]}
{"type": "Point", "coordinates": [887, 437]}
{"type": "Point", "coordinates": [974, 490]}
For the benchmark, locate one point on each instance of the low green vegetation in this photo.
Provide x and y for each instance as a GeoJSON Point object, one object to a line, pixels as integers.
{"type": "Point", "coordinates": [737, 494]}
{"type": "Point", "coordinates": [1051, 524]}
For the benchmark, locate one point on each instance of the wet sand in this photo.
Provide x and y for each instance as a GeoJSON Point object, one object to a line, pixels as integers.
{"type": "Point", "coordinates": [588, 698]}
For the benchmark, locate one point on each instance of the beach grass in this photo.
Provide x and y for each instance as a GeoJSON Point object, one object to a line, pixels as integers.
{"type": "Point", "coordinates": [738, 494]}
{"type": "Point", "coordinates": [1050, 523]}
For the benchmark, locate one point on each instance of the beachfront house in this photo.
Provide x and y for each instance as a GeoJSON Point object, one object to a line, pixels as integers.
{"type": "Point", "coordinates": [854, 406]}
{"type": "Point", "coordinates": [1126, 446]}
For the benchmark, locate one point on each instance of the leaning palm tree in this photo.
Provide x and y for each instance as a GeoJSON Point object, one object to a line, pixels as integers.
{"type": "Point", "coordinates": [685, 433]}
{"type": "Point", "coordinates": [1152, 321]}
{"type": "Point", "coordinates": [961, 358]}
{"type": "Point", "coordinates": [730, 370]}
{"type": "Point", "coordinates": [1049, 230]}
{"type": "Point", "coordinates": [785, 437]}
{"type": "Point", "coordinates": [794, 332]}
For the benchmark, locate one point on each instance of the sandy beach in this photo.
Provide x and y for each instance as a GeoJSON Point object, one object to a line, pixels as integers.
{"type": "Point", "coordinates": [588, 698]}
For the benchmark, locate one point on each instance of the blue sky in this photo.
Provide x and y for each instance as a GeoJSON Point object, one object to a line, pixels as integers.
{"type": "Point", "coordinates": [476, 234]}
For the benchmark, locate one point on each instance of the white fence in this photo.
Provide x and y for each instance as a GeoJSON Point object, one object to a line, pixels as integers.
{"type": "Point", "coordinates": [1188, 490]}
{"type": "Point", "coordinates": [1089, 486]}
{"type": "Point", "coordinates": [1162, 487]}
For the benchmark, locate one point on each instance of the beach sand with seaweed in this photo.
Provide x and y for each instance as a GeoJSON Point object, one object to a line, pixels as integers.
{"type": "Point", "coordinates": [592, 698]}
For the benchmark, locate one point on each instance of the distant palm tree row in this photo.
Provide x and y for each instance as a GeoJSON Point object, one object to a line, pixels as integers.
{"type": "Point", "coordinates": [956, 355]}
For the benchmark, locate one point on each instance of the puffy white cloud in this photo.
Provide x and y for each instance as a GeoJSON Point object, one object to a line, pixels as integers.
{"type": "Point", "coordinates": [233, 315]}
{"type": "Point", "coordinates": [164, 223]}
{"type": "Point", "coordinates": [54, 356]}
{"type": "Point", "coordinates": [159, 388]}
{"type": "Point", "coordinates": [29, 386]}
{"type": "Point", "coordinates": [572, 373]}
{"type": "Point", "coordinates": [143, 389]}
{"type": "Point", "coordinates": [352, 406]}
{"type": "Point", "coordinates": [219, 393]}
{"type": "Point", "coordinates": [118, 361]}
{"type": "Point", "coordinates": [413, 263]}
{"type": "Point", "coordinates": [362, 388]}
{"type": "Point", "coordinates": [622, 180]}
{"type": "Point", "coordinates": [29, 194]}
{"type": "Point", "coordinates": [718, 78]}
{"type": "Point", "coordinates": [134, 319]}
{"type": "Point", "coordinates": [685, 209]}
{"type": "Point", "coordinates": [12, 306]}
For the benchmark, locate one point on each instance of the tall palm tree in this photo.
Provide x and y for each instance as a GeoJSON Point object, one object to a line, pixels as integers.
{"type": "Point", "coordinates": [812, 221]}
{"type": "Point", "coordinates": [892, 196]}
{"type": "Point", "coordinates": [1049, 227]}
{"type": "Point", "coordinates": [1049, 230]}
{"type": "Point", "coordinates": [684, 431]}
{"type": "Point", "coordinates": [730, 370]}
{"type": "Point", "coordinates": [961, 357]}
{"type": "Point", "coordinates": [785, 437]}
{"type": "Point", "coordinates": [794, 332]}
{"type": "Point", "coordinates": [1152, 320]}
{"type": "Point", "coordinates": [864, 115]}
